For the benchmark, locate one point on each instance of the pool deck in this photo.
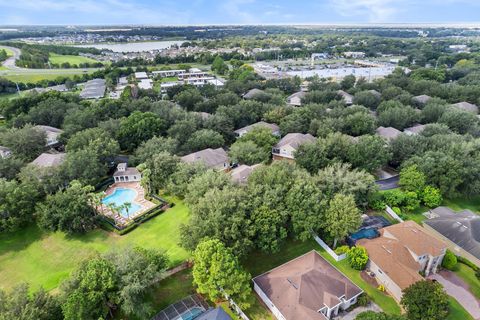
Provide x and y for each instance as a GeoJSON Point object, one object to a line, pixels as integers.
{"type": "Point", "coordinates": [139, 199]}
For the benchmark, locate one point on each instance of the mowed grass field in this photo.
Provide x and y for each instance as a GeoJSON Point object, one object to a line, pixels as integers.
{"type": "Point", "coordinates": [73, 60]}
{"type": "Point", "coordinates": [45, 259]}
{"type": "Point", "coordinates": [33, 76]}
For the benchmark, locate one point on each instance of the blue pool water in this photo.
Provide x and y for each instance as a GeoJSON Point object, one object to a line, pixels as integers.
{"type": "Point", "coordinates": [121, 196]}
{"type": "Point", "coordinates": [364, 234]}
{"type": "Point", "coordinates": [191, 314]}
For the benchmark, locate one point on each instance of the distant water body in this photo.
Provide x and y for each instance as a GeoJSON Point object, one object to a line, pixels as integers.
{"type": "Point", "coordinates": [134, 46]}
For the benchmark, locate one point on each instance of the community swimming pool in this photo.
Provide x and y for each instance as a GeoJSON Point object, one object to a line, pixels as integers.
{"type": "Point", "coordinates": [121, 196]}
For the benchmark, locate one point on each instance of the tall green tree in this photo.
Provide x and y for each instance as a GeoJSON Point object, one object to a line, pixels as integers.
{"type": "Point", "coordinates": [70, 210]}
{"type": "Point", "coordinates": [20, 304]}
{"type": "Point", "coordinates": [217, 271]}
{"type": "Point", "coordinates": [90, 292]}
{"type": "Point", "coordinates": [425, 300]}
{"type": "Point", "coordinates": [342, 217]}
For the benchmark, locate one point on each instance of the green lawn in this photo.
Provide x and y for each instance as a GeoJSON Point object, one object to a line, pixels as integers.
{"type": "Point", "coordinates": [458, 204]}
{"type": "Point", "coordinates": [416, 215]}
{"type": "Point", "coordinates": [45, 259]}
{"type": "Point", "coordinates": [457, 312]}
{"type": "Point", "coordinates": [73, 60]}
{"type": "Point", "coordinates": [468, 275]}
{"type": "Point", "coordinates": [33, 76]}
{"type": "Point", "coordinates": [258, 263]}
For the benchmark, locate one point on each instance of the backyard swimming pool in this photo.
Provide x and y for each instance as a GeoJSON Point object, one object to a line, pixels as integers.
{"type": "Point", "coordinates": [121, 196]}
{"type": "Point", "coordinates": [364, 234]}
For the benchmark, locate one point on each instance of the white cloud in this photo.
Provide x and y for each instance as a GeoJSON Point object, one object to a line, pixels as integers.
{"type": "Point", "coordinates": [238, 10]}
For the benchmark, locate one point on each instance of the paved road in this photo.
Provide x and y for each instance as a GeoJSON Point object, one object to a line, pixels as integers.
{"type": "Point", "coordinates": [387, 184]}
{"type": "Point", "coordinates": [456, 288]}
{"type": "Point", "coordinates": [10, 62]}
{"type": "Point", "coordinates": [13, 70]}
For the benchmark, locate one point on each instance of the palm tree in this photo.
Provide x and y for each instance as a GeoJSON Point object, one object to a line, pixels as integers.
{"type": "Point", "coordinates": [127, 206]}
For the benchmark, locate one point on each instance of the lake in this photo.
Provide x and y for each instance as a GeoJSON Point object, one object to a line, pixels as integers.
{"type": "Point", "coordinates": [134, 46]}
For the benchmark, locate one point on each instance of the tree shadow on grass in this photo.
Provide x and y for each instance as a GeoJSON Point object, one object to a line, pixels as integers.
{"type": "Point", "coordinates": [20, 239]}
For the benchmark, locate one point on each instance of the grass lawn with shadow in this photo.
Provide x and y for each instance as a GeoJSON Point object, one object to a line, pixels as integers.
{"type": "Point", "coordinates": [45, 259]}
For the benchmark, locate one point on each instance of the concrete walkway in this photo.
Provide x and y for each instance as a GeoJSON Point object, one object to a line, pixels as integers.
{"type": "Point", "coordinates": [455, 287]}
{"type": "Point", "coordinates": [354, 313]}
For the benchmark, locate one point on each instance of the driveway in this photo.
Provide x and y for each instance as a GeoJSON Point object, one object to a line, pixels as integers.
{"type": "Point", "coordinates": [457, 288]}
{"type": "Point", "coordinates": [354, 313]}
{"type": "Point", "coordinates": [389, 183]}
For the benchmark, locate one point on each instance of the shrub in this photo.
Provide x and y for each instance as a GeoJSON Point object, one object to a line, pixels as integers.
{"type": "Point", "coordinates": [449, 261]}
{"type": "Point", "coordinates": [432, 197]}
{"type": "Point", "coordinates": [381, 288]}
{"type": "Point", "coordinates": [357, 257]}
{"type": "Point", "coordinates": [376, 202]}
{"type": "Point", "coordinates": [467, 263]}
{"type": "Point", "coordinates": [342, 249]}
{"type": "Point", "coordinates": [411, 201]}
{"type": "Point", "coordinates": [394, 198]}
{"type": "Point", "coordinates": [363, 300]}
{"type": "Point", "coordinates": [397, 210]}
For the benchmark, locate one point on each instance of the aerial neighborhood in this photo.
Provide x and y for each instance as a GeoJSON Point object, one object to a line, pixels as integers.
{"type": "Point", "coordinates": [216, 172]}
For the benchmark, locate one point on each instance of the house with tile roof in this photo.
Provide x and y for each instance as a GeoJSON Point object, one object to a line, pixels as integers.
{"type": "Point", "coordinates": [296, 98]}
{"type": "Point", "coordinates": [307, 288]}
{"type": "Point", "coordinates": [414, 130]}
{"type": "Point", "coordinates": [241, 173]}
{"type": "Point", "coordinates": [401, 253]}
{"type": "Point", "coordinates": [47, 160]}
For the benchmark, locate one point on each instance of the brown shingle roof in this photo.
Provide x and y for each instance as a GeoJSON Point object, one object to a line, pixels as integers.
{"type": "Point", "coordinates": [388, 133]}
{"type": "Point", "coordinates": [393, 259]}
{"type": "Point", "coordinates": [415, 238]}
{"type": "Point", "coordinates": [391, 251]}
{"type": "Point", "coordinates": [261, 124]}
{"type": "Point", "coordinates": [212, 158]}
{"type": "Point", "coordinates": [466, 106]}
{"type": "Point", "coordinates": [49, 160]}
{"type": "Point", "coordinates": [295, 140]}
{"type": "Point", "coordinates": [301, 287]}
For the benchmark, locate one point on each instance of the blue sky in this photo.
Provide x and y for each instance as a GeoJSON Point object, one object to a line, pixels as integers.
{"type": "Point", "coordinates": [182, 12]}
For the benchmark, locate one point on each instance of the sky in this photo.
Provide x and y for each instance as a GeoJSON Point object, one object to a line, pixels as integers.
{"type": "Point", "coordinates": [202, 12]}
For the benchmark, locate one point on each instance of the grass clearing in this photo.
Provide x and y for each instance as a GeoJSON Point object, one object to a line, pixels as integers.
{"type": "Point", "coordinates": [73, 60]}
{"type": "Point", "coordinates": [45, 259]}
{"type": "Point", "coordinates": [457, 311]}
{"type": "Point", "coordinates": [458, 204]}
{"type": "Point", "coordinates": [468, 275]}
{"type": "Point", "coordinates": [33, 76]}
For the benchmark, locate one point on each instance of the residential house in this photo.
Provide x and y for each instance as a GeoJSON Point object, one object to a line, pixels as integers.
{"type": "Point", "coordinates": [296, 98]}
{"type": "Point", "coordinates": [48, 160]}
{"type": "Point", "coordinates": [53, 134]}
{"type": "Point", "coordinates": [252, 93]}
{"type": "Point", "coordinates": [347, 97]}
{"type": "Point", "coordinates": [388, 133]}
{"type": "Point", "coordinates": [126, 174]}
{"type": "Point", "coordinates": [145, 84]}
{"type": "Point", "coordinates": [414, 130]}
{"type": "Point", "coordinates": [288, 145]}
{"type": "Point", "coordinates": [241, 173]}
{"type": "Point", "coordinates": [203, 115]}
{"type": "Point", "coordinates": [306, 288]}
{"type": "Point", "coordinates": [272, 126]}
{"type": "Point", "coordinates": [466, 107]}
{"type": "Point", "coordinates": [460, 230]}
{"type": "Point", "coordinates": [211, 158]}
{"type": "Point", "coordinates": [5, 152]}
{"type": "Point", "coordinates": [421, 100]}
{"type": "Point", "coordinates": [402, 251]}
